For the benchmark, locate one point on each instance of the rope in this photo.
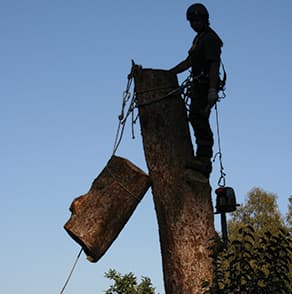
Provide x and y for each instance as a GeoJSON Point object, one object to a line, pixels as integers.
{"type": "Point", "coordinates": [221, 180]}
{"type": "Point", "coordinates": [151, 89]}
{"type": "Point", "coordinates": [160, 98]}
{"type": "Point", "coordinates": [122, 117]}
{"type": "Point", "coordinates": [71, 272]}
{"type": "Point", "coordinates": [130, 99]}
{"type": "Point", "coordinates": [181, 89]}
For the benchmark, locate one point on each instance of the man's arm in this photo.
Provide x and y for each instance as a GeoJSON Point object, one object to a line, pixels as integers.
{"type": "Point", "coordinates": [213, 84]}
{"type": "Point", "coordinates": [182, 66]}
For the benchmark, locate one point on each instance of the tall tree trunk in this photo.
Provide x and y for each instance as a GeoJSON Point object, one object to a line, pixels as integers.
{"type": "Point", "coordinates": [182, 196]}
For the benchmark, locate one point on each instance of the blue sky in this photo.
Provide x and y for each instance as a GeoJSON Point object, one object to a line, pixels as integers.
{"type": "Point", "coordinates": [63, 68]}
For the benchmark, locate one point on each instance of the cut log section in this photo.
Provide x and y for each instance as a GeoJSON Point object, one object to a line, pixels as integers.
{"type": "Point", "coordinates": [99, 216]}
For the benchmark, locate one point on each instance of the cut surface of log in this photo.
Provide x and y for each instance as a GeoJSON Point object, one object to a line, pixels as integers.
{"type": "Point", "coordinates": [99, 215]}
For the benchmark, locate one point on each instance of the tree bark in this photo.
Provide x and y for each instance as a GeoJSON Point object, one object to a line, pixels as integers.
{"type": "Point", "coordinates": [99, 216]}
{"type": "Point", "coordinates": [182, 196]}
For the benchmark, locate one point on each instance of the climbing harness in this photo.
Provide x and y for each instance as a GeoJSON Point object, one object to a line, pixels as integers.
{"type": "Point", "coordinates": [186, 90]}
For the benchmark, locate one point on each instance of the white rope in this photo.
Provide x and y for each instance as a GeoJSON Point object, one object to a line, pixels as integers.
{"type": "Point", "coordinates": [71, 272]}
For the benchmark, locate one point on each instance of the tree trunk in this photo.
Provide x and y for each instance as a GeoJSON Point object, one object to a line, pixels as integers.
{"type": "Point", "coordinates": [99, 216]}
{"type": "Point", "coordinates": [182, 196]}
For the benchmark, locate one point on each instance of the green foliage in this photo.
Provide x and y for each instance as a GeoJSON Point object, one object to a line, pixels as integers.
{"type": "Point", "coordinates": [248, 267]}
{"type": "Point", "coordinates": [258, 256]}
{"type": "Point", "coordinates": [260, 211]}
{"type": "Point", "coordinates": [127, 284]}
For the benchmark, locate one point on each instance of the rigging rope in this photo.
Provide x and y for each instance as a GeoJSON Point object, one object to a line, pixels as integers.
{"type": "Point", "coordinates": [71, 272]}
{"type": "Point", "coordinates": [221, 180]}
{"type": "Point", "coordinates": [123, 117]}
{"type": "Point", "coordinates": [129, 100]}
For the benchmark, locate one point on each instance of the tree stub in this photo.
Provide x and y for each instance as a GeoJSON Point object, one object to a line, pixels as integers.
{"type": "Point", "coordinates": [182, 196]}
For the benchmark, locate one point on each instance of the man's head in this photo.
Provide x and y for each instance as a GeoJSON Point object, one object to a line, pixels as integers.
{"type": "Point", "coordinates": [198, 16]}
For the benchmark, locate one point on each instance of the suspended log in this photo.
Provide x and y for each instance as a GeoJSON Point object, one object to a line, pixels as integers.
{"type": "Point", "coordinates": [99, 216]}
{"type": "Point", "coordinates": [182, 196]}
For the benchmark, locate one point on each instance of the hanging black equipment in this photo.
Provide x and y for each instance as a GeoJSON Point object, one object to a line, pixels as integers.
{"type": "Point", "coordinates": [225, 196]}
{"type": "Point", "coordinates": [226, 200]}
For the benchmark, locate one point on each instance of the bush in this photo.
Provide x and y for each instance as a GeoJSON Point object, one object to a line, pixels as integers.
{"type": "Point", "coordinates": [127, 284]}
{"type": "Point", "coordinates": [249, 267]}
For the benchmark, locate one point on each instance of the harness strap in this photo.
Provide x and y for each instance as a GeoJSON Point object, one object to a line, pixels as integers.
{"type": "Point", "coordinates": [223, 80]}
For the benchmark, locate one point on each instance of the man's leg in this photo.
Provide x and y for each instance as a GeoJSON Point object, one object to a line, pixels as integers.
{"type": "Point", "coordinates": [204, 137]}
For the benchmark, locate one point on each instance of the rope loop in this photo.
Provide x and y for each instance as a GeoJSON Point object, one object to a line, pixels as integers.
{"type": "Point", "coordinates": [128, 100]}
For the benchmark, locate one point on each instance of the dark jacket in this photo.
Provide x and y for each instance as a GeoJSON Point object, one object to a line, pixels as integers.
{"type": "Point", "coordinates": [206, 49]}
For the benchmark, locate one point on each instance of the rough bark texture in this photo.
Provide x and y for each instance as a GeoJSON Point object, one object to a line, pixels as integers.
{"type": "Point", "coordinates": [99, 216]}
{"type": "Point", "coordinates": [182, 196]}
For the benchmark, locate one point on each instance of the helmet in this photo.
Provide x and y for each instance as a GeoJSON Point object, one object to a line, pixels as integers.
{"type": "Point", "coordinates": [198, 10]}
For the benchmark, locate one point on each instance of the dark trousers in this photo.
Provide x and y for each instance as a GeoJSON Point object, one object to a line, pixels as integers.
{"type": "Point", "coordinates": [199, 119]}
